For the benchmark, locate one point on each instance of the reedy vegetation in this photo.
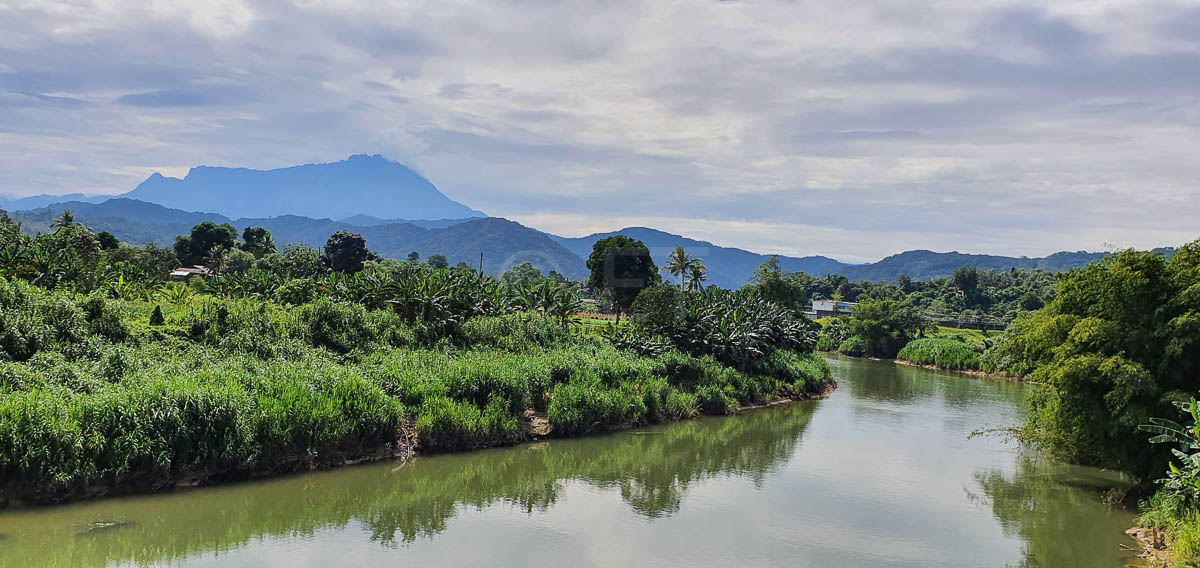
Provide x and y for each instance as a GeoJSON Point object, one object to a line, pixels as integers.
{"type": "Point", "coordinates": [264, 370]}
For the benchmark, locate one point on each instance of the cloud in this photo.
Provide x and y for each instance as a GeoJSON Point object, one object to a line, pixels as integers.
{"type": "Point", "coordinates": [164, 99]}
{"type": "Point", "coordinates": [1015, 127]}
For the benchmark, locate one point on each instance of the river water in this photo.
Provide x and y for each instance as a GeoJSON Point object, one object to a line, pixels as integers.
{"type": "Point", "coordinates": [884, 472]}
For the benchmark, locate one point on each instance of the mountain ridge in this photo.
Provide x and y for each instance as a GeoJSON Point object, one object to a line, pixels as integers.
{"type": "Point", "coordinates": [391, 189]}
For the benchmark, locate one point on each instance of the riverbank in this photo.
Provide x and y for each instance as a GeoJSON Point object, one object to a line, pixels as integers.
{"type": "Point", "coordinates": [972, 372]}
{"type": "Point", "coordinates": [534, 426]}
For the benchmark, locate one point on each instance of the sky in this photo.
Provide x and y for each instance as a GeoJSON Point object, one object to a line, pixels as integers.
{"type": "Point", "coordinates": [849, 129]}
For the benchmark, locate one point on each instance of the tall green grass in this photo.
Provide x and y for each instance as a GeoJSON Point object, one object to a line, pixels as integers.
{"type": "Point", "coordinates": [92, 396]}
{"type": "Point", "coordinates": [941, 352]}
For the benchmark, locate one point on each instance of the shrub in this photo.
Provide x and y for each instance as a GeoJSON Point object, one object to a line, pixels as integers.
{"type": "Point", "coordinates": [658, 309]}
{"type": "Point", "coordinates": [714, 400]}
{"type": "Point", "coordinates": [156, 317]}
{"type": "Point", "coordinates": [447, 424]}
{"type": "Point", "coordinates": [337, 326]}
{"type": "Point", "coordinates": [681, 405]}
{"type": "Point", "coordinates": [944, 353]}
{"type": "Point", "coordinates": [853, 345]}
{"type": "Point", "coordinates": [297, 291]}
{"type": "Point", "coordinates": [585, 405]}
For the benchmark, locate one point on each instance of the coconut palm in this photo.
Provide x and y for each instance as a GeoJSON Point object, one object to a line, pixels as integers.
{"type": "Point", "coordinates": [65, 219]}
{"type": "Point", "coordinates": [697, 274]}
{"type": "Point", "coordinates": [677, 264]}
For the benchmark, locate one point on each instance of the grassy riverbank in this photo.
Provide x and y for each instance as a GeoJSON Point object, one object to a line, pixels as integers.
{"type": "Point", "coordinates": [95, 400]}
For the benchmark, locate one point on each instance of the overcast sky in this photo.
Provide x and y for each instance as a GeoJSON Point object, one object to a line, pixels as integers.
{"type": "Point", "coordinates": [850, 129]}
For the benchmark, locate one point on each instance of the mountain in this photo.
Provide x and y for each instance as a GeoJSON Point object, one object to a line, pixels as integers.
{"type": "Point", "coordinates": [38, 201]}
{"type": "Point", "coordinates": [732, 267]}
{"type": "Point", "coordinates": [336, 190]}
{"type": "Point", "coordinates": [362, 220]}
{"type": "Point", "coordinates": [503, 243]}
{"type": "Point", "coordinates": [926, 265]}
{"type": "Point", "coordinates": [727, 267]}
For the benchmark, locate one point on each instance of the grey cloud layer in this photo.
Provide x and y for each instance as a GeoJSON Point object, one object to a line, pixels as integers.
{"type": "Point", "coordinates": [810, 128]}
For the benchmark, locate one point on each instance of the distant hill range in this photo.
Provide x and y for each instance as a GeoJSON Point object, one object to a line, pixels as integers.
{"type": "Point", "coordinates": [407, 213]}
{"type": "Point", "coordinates": [505, 243]}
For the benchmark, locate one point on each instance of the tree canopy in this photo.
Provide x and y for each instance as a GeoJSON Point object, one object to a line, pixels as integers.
{"type": "Point", "coordinates": [346, 252]}
{"type": "Point", "coordinates": [194, 249]}
{"type": "Point", "coordinates": [621, 266]}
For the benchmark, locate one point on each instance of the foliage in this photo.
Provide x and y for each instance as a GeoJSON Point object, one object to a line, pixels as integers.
{"type": "Point", "coordinates": [194, 249]}
{"type": "Point", "coordinates": [941, 352]}
{"type": "Point", "coordinates": [883, 327]}
{"type": "Point", "coordinates": [258, 241]}
{"type": "Point", "coordinates": [621, 266]}
{"type": "Point", "coordinates": [1118, 344]}
{"type": "Point", "coordinates": [658, 309]}
{"type": "Point", "coordinates": [345, 252]}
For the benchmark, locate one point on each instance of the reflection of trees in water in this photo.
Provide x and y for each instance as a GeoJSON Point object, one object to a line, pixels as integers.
{"type": "Point", "coordinates": [652, 473]}
{"type": "Point", "coordinates": [1056, 511]}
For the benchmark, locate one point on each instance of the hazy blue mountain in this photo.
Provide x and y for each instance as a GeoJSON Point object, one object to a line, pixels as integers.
{"type": "Point", "coordinates": [336, 190]}
{"type": "Point", "coordinates": [505, 243]}
{"type": "Point", "coordinates": [371, 221]}
{"type": "Point", "coordinates": [43, 200]}
{"type": "Point", "coordinates": [732, 267]}
{"type": "Point", "coordinates": [727, 267]}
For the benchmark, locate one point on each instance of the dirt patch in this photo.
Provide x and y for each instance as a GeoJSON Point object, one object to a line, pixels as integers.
{"type": "Point", "coordinates": [536, 424]}
{"type": "Point", "coordinates": [1153, 543]}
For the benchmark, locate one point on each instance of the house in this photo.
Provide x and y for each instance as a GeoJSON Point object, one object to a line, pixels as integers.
{"type": "Point", "coordinates": [186, 272]}
{"type": "Point", "coordinates": [823, 308]}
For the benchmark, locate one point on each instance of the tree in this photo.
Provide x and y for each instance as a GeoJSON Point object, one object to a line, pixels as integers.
{"type": "Point", "coordinates": [346, 252]}
{"type": "Point", "coordinates": [966, 280]}
{"type": "Point", "coordinates": [521, 275]}
{"type": "Point", "coordinates": [107, 240]}
{"type": "Point", "coordinates": [64, 219]}
{"type": "Point", "coordinates": [438, 260]}
{"type": "Point", "coordinates": [258, 241]}
{"type": "Point", "coordinates": [414, 256]}
{"type": "Point", "coordinates": [678, 263]}
{"type": "Point", "coordinates": [697, 274]}
{"type": "Point", "coordinates": [622, 266]}
{"type": "Point", "coordinates": [904, 283]}
{"type": "Point", "coordinates": [658, 309]}
{"type": "Point", "coordinates": [885, 326]}
{"type": "Point", "coordinates": [195, 248]}
{"type": "Point", "coordinates": [1116, 346]}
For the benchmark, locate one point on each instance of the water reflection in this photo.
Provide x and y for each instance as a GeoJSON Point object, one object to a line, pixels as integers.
{"type": "Point", "coordinates": [1050, 505]}
{"type": "Point", "coordinates": [652, 470]}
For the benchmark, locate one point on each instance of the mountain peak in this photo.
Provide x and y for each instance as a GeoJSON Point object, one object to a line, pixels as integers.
{"type": "Point", "coordinates": [361, 183]}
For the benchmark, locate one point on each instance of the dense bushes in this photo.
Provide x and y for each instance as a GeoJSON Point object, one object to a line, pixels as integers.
{"type": "Point", "coordinates": [160, 420]}
{"type": "Point", "coordinates": [1116, 346]}
{"type": "Point", "coordinates": [941, 352]}
{"type": "Point", "coordinates": [735, 328]}
{"type": "Point", "coordinates": [285, 365]}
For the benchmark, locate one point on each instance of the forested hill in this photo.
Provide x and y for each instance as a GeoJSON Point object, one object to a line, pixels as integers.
{"type": "Point", "coordinates": [926, 265]}
{"type": "Point", "coordinates": [502, 242]}
{"type": "Point", "coordinates": [505, 243]}
{"type": "Point", "coordinates": [732, 267]}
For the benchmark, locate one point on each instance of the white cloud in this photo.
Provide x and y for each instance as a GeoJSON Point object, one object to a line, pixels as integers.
{"type": "Point", "coordinates": [804, 128]}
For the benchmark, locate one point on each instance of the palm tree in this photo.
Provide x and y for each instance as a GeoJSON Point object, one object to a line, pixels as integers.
{"type": "Point", "coordinates": [66, 219]}
{"type": "Point", "coordinates": [696, 275]}
{"type": "Point", "coordinates": [677, 264]}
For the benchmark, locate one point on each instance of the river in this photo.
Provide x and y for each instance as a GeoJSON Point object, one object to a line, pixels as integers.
{"type": "Point", "coordinates": [884, 472]}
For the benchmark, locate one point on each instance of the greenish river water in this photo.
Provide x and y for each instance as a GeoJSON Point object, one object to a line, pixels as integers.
{"type": "Point", "coordinates": [881, 473]}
